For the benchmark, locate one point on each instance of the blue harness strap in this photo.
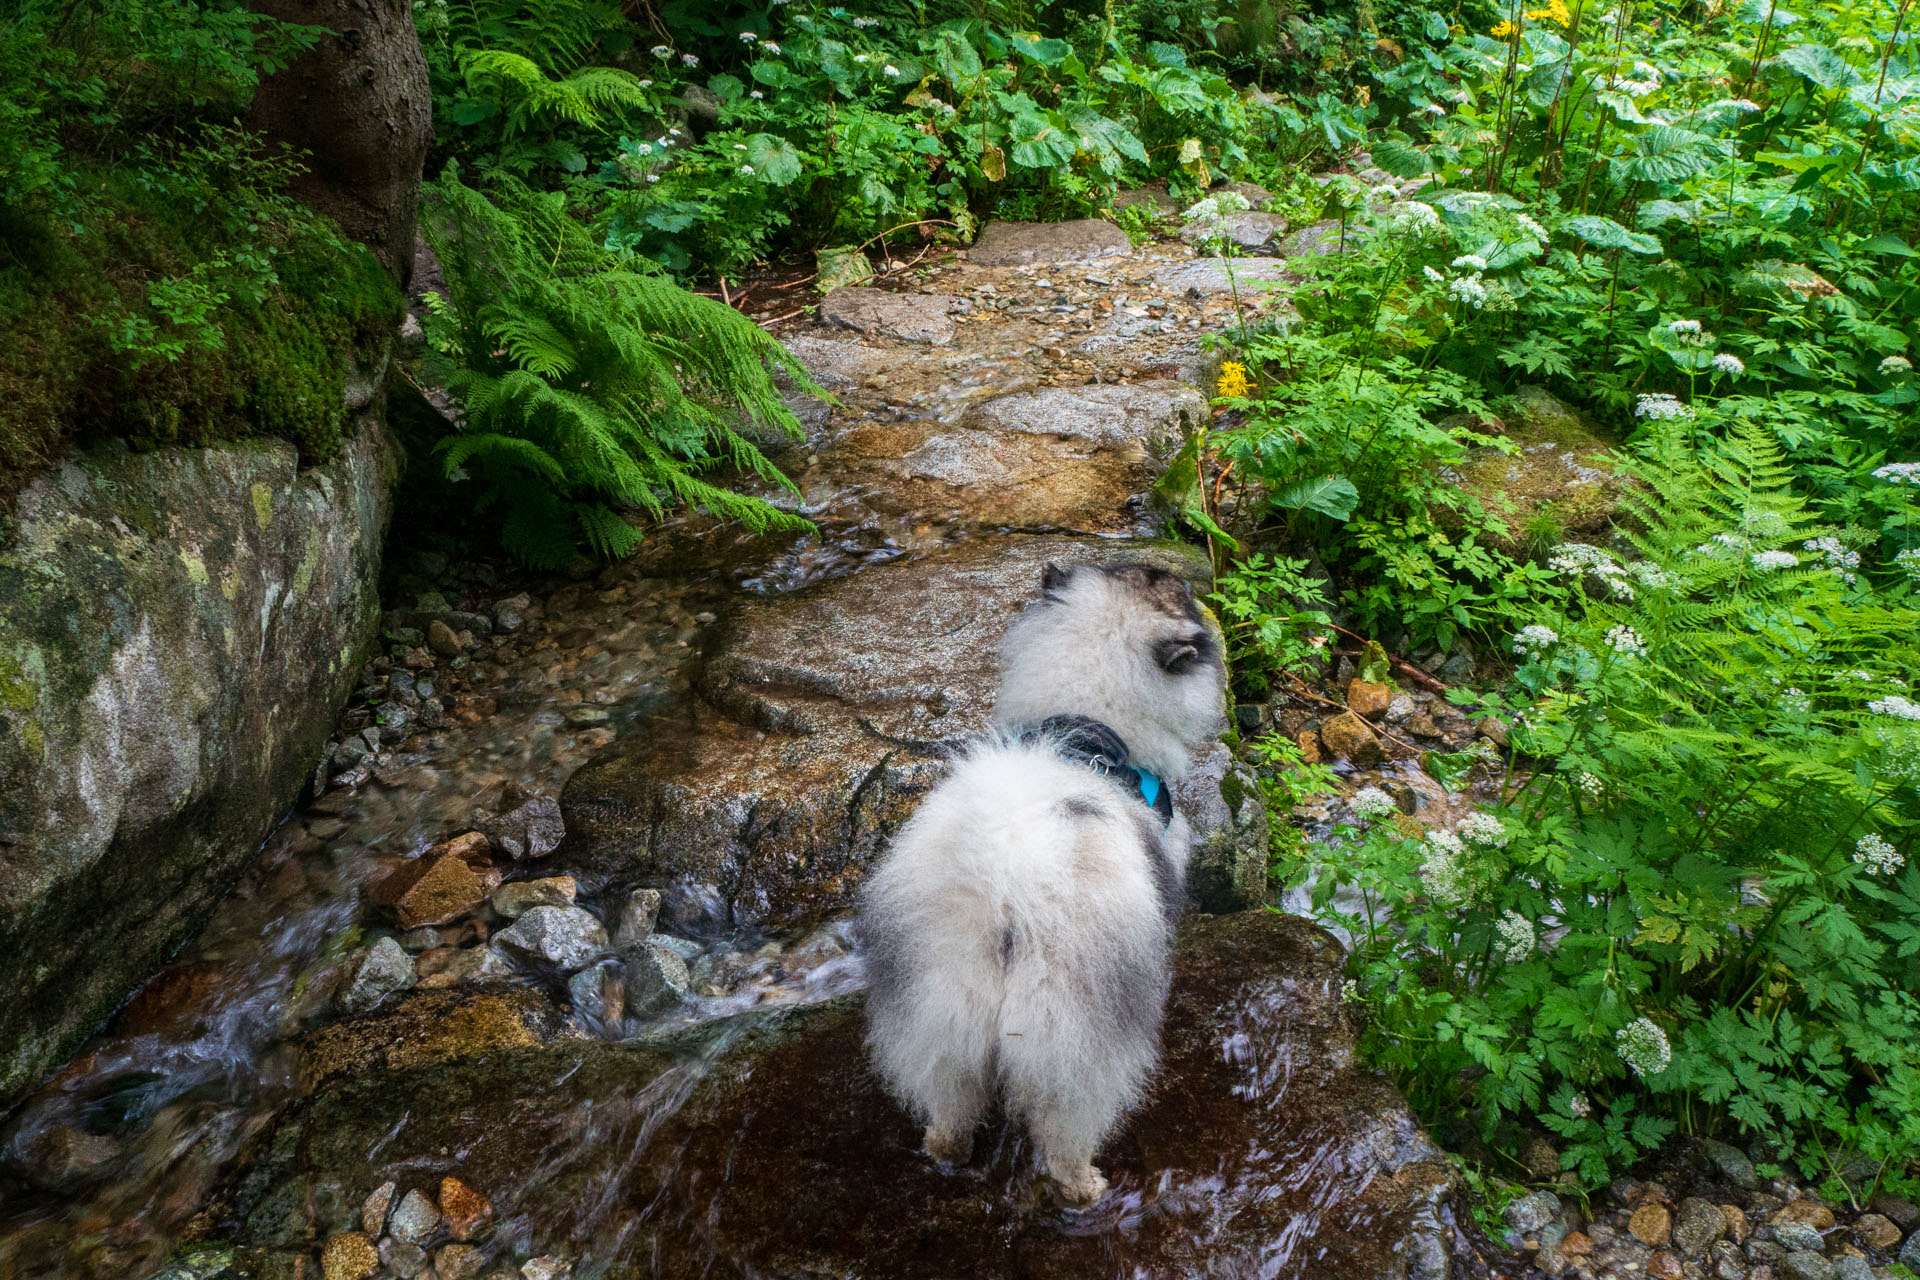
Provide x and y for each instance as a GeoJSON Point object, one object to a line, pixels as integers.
{"type": "Point", "coordinates": [1086, 741]}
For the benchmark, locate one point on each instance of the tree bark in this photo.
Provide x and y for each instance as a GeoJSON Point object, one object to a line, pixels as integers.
{"type": "Point", "coordinates": [359, 106]}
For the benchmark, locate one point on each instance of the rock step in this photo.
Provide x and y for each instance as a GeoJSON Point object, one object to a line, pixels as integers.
{"type": "Point", "coordinates": [763, 1147]}
{"type": "Point", "coordinates": [818, 719]}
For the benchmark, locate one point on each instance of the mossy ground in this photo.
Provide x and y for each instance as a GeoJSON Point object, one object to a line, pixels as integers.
{"type": "Point", "coordinates": [270, 360]}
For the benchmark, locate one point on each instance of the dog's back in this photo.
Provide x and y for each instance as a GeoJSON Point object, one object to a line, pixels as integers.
{"type": "Point", "coordinates": [1018, 934]}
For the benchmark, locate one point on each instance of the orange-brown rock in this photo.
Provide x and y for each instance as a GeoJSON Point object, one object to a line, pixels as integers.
{"type": "Point", "coordinates": [437, 887]}
{"type": "Point", "coordinates": [1578, 1244]}
{"type": "Point", "coordinates": [1369, 701]}
{"type": "Point", "coordinates": [1347, 736]}
{"type": "Point", "coordinates": [1811, 1212]}
{"type": "Point", "coordinates": [1665, 1266]}
{"type": "Point", "coordinates": [1651, 1224]}
{"type": "Point", "coordinates": [463, 1208]}
{"type": "Point", "coordinates": [1737, 1226]}
{"type": "Point", "coordinates": [1309, 740]}
{"type": "Point", "coordinates": [349, 1255]}
{"type": "Point", "coordinates": [1876, 1231]}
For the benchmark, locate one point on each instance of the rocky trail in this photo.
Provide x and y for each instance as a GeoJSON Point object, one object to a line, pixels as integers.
{"type": "Point", "coordinates": [552, 972]}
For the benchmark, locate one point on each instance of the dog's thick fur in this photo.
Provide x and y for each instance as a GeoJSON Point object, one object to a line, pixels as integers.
{"type": "Point", "coordinates": [1018, 932]}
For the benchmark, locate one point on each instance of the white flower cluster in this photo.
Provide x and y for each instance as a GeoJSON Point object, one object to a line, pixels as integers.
{"type": "Point", "coordinates": [1416, 219]}
{"type": "Point", "coordinates": [689, 60]}
{"type": "Point", "coordinates": [1535, 640]}
{"type": "Point", "coordinates": [1768, 561]}
{"type": "Point", "coordinates": [1643, 1046]}
{"type": "Point", "coordinates": [748, 37]}
{"type": "Point", "coordinates": [1469, 262]}
{"type": "Point", "coordinates": [1590, 786]}
{"type": "Point", "coordinates": [1908, 562]}
{"type": "Point", "coordinates": [662, 52]}
{"type": "Point", "coordinates": [1727, 362]}
{"type": "Point", "coordinates": [1684, 328]}
{"type": "Point", "coordinates": [1434, 109]}
{"type": "Point", "coordinates": [1745, 104]}
{"type": "Point", "coordinates": [1350, 992]}
{"type": "Point", "coordinates": [1516, 937]}
{"type": "Point", "coordinates": [1793, 701]}
{"type": "Point", "coordinates": [890, 70]}
{"type": "Point", "coordinates": [1652, 576]}
{"type": "Point", "coordinates": [1896, 706]}
{"type": "Point", "coordinates": [1659, 405]}
{"type": "Point", "coordinates": [1877, 856]}
{"type": "Point", "coordinates": [1470, 290]}
{"type": "Point", "coordinates": [863, 23]}
{"type": "Point", "coordinates": [1483, 829]}
{"type": "Point", "coordinates": [1445, 878]}
{"type": "Point", "coordinates": [1371, 803]}
{"type": "Point", "coordinates": [1532, 228]}
{"type": "Point", "coordinates": [1584, 558]}
{"type": "Point", "coordinates": [1637, 88]}
{"type": "Point", "coordinates": [770, 47]}
{"type": "Point", "coordinates": [1581, 1105]}
{"type": "Point", "coordinates": [1896, 364]}
{"type": "Point", "coordinates": [1626, 642]}
{"type": "Point", "coordinates": [1835, 556]}
{"type": "Point", "coordinates": [1433, 275]}
{"type": "Point", "coordinates": [1899, 473]}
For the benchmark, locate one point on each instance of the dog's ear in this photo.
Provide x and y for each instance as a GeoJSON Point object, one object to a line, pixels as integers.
{"type": "Point", "coordinates": [1177, 655]}
{"type": "Point", "coordinates": [1052, 579]}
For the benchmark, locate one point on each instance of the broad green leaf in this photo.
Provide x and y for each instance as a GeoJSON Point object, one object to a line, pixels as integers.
{"type": "Point", "coordinates": [1105, 133]}
{"type": "Point", "coordinates": [1167, 55]}
{"type": "Point", "coordinates": [1605, 233]}
{"type": "Point", "coordinates": [725, 88]}
{"type": "Point", "coordinates": [1401, 158]}
{"type": "Point", "coordinates": [1045, 50]}
{"type": "Point", "coordinates": [1332, 496]}
{"type": "Point", "coordinates": [1820, 64]}
{"type": "Point", "coordinates": [773, 158]}
{"type": "Point", "coordinates": [1886, 242]}
{"type": "Point", "coordinates": [1039, 141]}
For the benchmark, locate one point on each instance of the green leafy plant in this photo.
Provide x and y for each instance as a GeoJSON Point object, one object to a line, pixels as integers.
{"type": "Point", "coordinates": [591, 387]}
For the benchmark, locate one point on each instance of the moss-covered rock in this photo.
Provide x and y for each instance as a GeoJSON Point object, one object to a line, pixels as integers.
{"type": "Point", "coordinates": [177, 630]}
{"type": "Point", "coordinates": [1561, 483]}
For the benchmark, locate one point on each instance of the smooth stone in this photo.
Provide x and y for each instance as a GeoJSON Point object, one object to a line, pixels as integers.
{"type": "Point", "coordinates": [1154, 199]}
{"type": "Point", "coordinates": [1875, 1231]}
{"type": "Point", "coordinates": [1318, 240]}
{"type": "Point", "coordinates": [1910, 1252]}
{"type": "Point", "coordinates": [1205, 277]}
{"type": "Point", "coordinates": [1348, 737]}
{"type": "Point", "coordinates": [515, 898]}
{"type": "Point", "coordinates": [462, 1208]}
{"type": "Point", "coordinates": [373, 1211]}
{"type": "Point", "coordinates": [349, 1256]}
{"type": "Point", "coordinates": [1369, 701]}
{"type": "Point", "coordinates": [415, 1219]}
{"type": "Point", "coordinates": [1651, 1224]}
{"type": "Point", "coordinates": [910, 317]}
{"type": "Point", "coordinates": [566, 938]}
{"type": "Point", "coordinates": [531, 829]}
{"type": "Point", "coordinates": [657, 978]}
{"type": "Point", "coordinates": [1732, 1163]}
{"type": "Point", "coordinates": [637, 919]}
{"type": "Point", "coordinates": [598, 993]}
{"type": "Point", "coordinates": [1811, 1212]}
{"type": "Point", "coordinates": [426, 1028]}
{"type": "Point", "coordinates": [1697, 1223]}
{"type": "Point", "coordinates": [815, 723]}
{"type": "Point", "coordinates": [1561, 469]}
{"type": "Point", "coordinates": [1850, 1267]}
{"type": "Point", "coordinates": [1135, 415]}
{"type": "Point", "coordinates": [1530, 1213]}
{"type": "Point", "coordinates": [1018, 244]}
{"type": "Point", "coordinates": [437, 887]}
{"type": "Point", "coordinates": [403, 1259]}
{"type": "Point", "coordinates": [378, 971]}
{"type": "Point", "coordinates": [545, 1267]}
{"type": "Point", "coordinates": [1252, 192]}
{"type": "Point", "coordinates": [1250, 229]}
{"type": "Point", "coordinates": [457, 1262]}
{"type": "Point", "coordinates": [771, 1150]}
{"type": "Point", "coordinates": [1797, 1235]}
{"type": "Point", "coordinates": [1805, 1265]}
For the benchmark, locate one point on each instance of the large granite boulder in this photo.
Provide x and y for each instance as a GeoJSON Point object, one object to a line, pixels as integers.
{"type": "Point", "coordinates": [177, 630]}
{"type": "Point", "coordinates": [818, 720]}
{"type": "Point", "coordinates": [763, 1146]}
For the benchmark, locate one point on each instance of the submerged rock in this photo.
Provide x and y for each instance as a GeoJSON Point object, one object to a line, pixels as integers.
{"type": "Point", "coordinates": [763, 1147]}
{"type": "Point", "coordinates": [567, 938]}
{"type": "Point", "coordinates": [818, 720]}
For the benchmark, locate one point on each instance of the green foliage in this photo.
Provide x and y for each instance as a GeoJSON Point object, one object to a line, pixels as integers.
{"type": "Point", "coordinates": [160, 287]}
{"type": "Point", "coordinates": [1272, 612]}
{"type": "Point", "coordinates": [591, 388]}
{"type": "Point", "coordinates": [1700, 906]}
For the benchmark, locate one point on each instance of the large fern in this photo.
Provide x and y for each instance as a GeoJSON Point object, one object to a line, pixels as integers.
{"type": "Point", "coordinates": [594, 390]}
{"type": "Point", "coordinates": [582, 97]}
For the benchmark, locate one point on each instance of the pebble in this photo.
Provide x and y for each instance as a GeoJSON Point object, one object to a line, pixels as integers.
{"type": "Point", "coordinates": [567, 938]}
{"type": "Point", "coordinates": [598, 993]}
{"type": "Point", "coordinates": [1805, 1265]}
{"type": "Point", "coordinates": [637, 918]}
{"type": "Point", "coordinates": [1529, 1214]}
{"type": "Point", "coordinates": [1851, 1268]}
{"type": "Point", "coordinates": [373, 1211]}
{"type": "Point", "coordinates": [403, 1259]}
{"type": "Point", "coordinates": [1732, 1163]}
{"type": "Point", "coordinates": [349, 1256]}
{"type": "Point", "coordinates": [1796, 1235]}
{"type": "Point", "coordinates": [1876, 1231]}
{"type": "Point", "coordinates": [457, 1262]}
{"type": "Point", "coordinates": [415, 1221]}
{"type": "Point", "coordinates": [657, 977]}
{"type": "Point", "coordinates": [515, 898]}
{"type": "Point", "coordinates": [463, 1208]}
{"type": "Point", "coordinates": [1651, 1224]}
{"type": "Point", "coordinates": [545, 1267]}
{"type": "Point", "coordinates": [378, 972]}
{"type": "Point", "coordinates": [1811, 1212]}
{"type": "Point", "coordinates": [1697, 1224]}
{"type": "Point", "coordinates": [529, 830]}
{"type": "Point", "coordinates": [1910, 1252]}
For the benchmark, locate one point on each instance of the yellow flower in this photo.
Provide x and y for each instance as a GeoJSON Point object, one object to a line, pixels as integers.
{"type": "Point", "coordinates": [1556, 11]}
{"type": "Point", "coordinates": [1233, 380]}
{"type": "Point", "coordinates": [1502, 31]}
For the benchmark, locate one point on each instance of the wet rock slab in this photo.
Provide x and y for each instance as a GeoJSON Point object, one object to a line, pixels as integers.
{"type": "Point", "coordinates": [910, 317]}
{"type": "Point", "coordinates": [1020, 244]}
{"type": "Point", "coordinates": [763, 1147]}
{"type": "Point", "coordinates": [1135, 414]}
{"type": "Point", "coordinates": [817, 721]}
{"type": "Point", "coordinates": [1203, 277]}
{"type": "Point", "coordinates": [1253, 231]}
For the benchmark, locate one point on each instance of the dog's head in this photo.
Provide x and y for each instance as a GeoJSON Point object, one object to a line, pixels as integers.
{"type": "Point", "coordinates": [1124, 643]}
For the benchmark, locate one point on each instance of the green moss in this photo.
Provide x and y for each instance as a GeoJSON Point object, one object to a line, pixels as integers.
{"type": "Point", "coordinates": [270, 363]}
{"type": "Point", "coordinates": [1233, 791]}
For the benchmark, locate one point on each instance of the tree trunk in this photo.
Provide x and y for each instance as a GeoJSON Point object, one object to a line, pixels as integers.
{"type": "Point", "coordinates": [358, 104]}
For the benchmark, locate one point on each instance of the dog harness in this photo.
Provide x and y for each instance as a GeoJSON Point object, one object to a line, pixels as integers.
{"type": "Point", "coordinates": [1095, 746]}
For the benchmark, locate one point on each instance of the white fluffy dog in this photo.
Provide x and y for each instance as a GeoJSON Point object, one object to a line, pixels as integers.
{"type": "Point", "coordinates": [1018, 932]}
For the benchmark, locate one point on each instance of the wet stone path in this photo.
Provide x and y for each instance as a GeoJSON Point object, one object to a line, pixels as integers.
{"type": "Point", "coordinates": [552, 972]}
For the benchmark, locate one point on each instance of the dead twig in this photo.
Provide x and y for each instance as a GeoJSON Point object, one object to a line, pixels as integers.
{"type": "Point", "coordinates": [1401, 665]}
{"type": "Point", "coordinates": [777, 319]}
